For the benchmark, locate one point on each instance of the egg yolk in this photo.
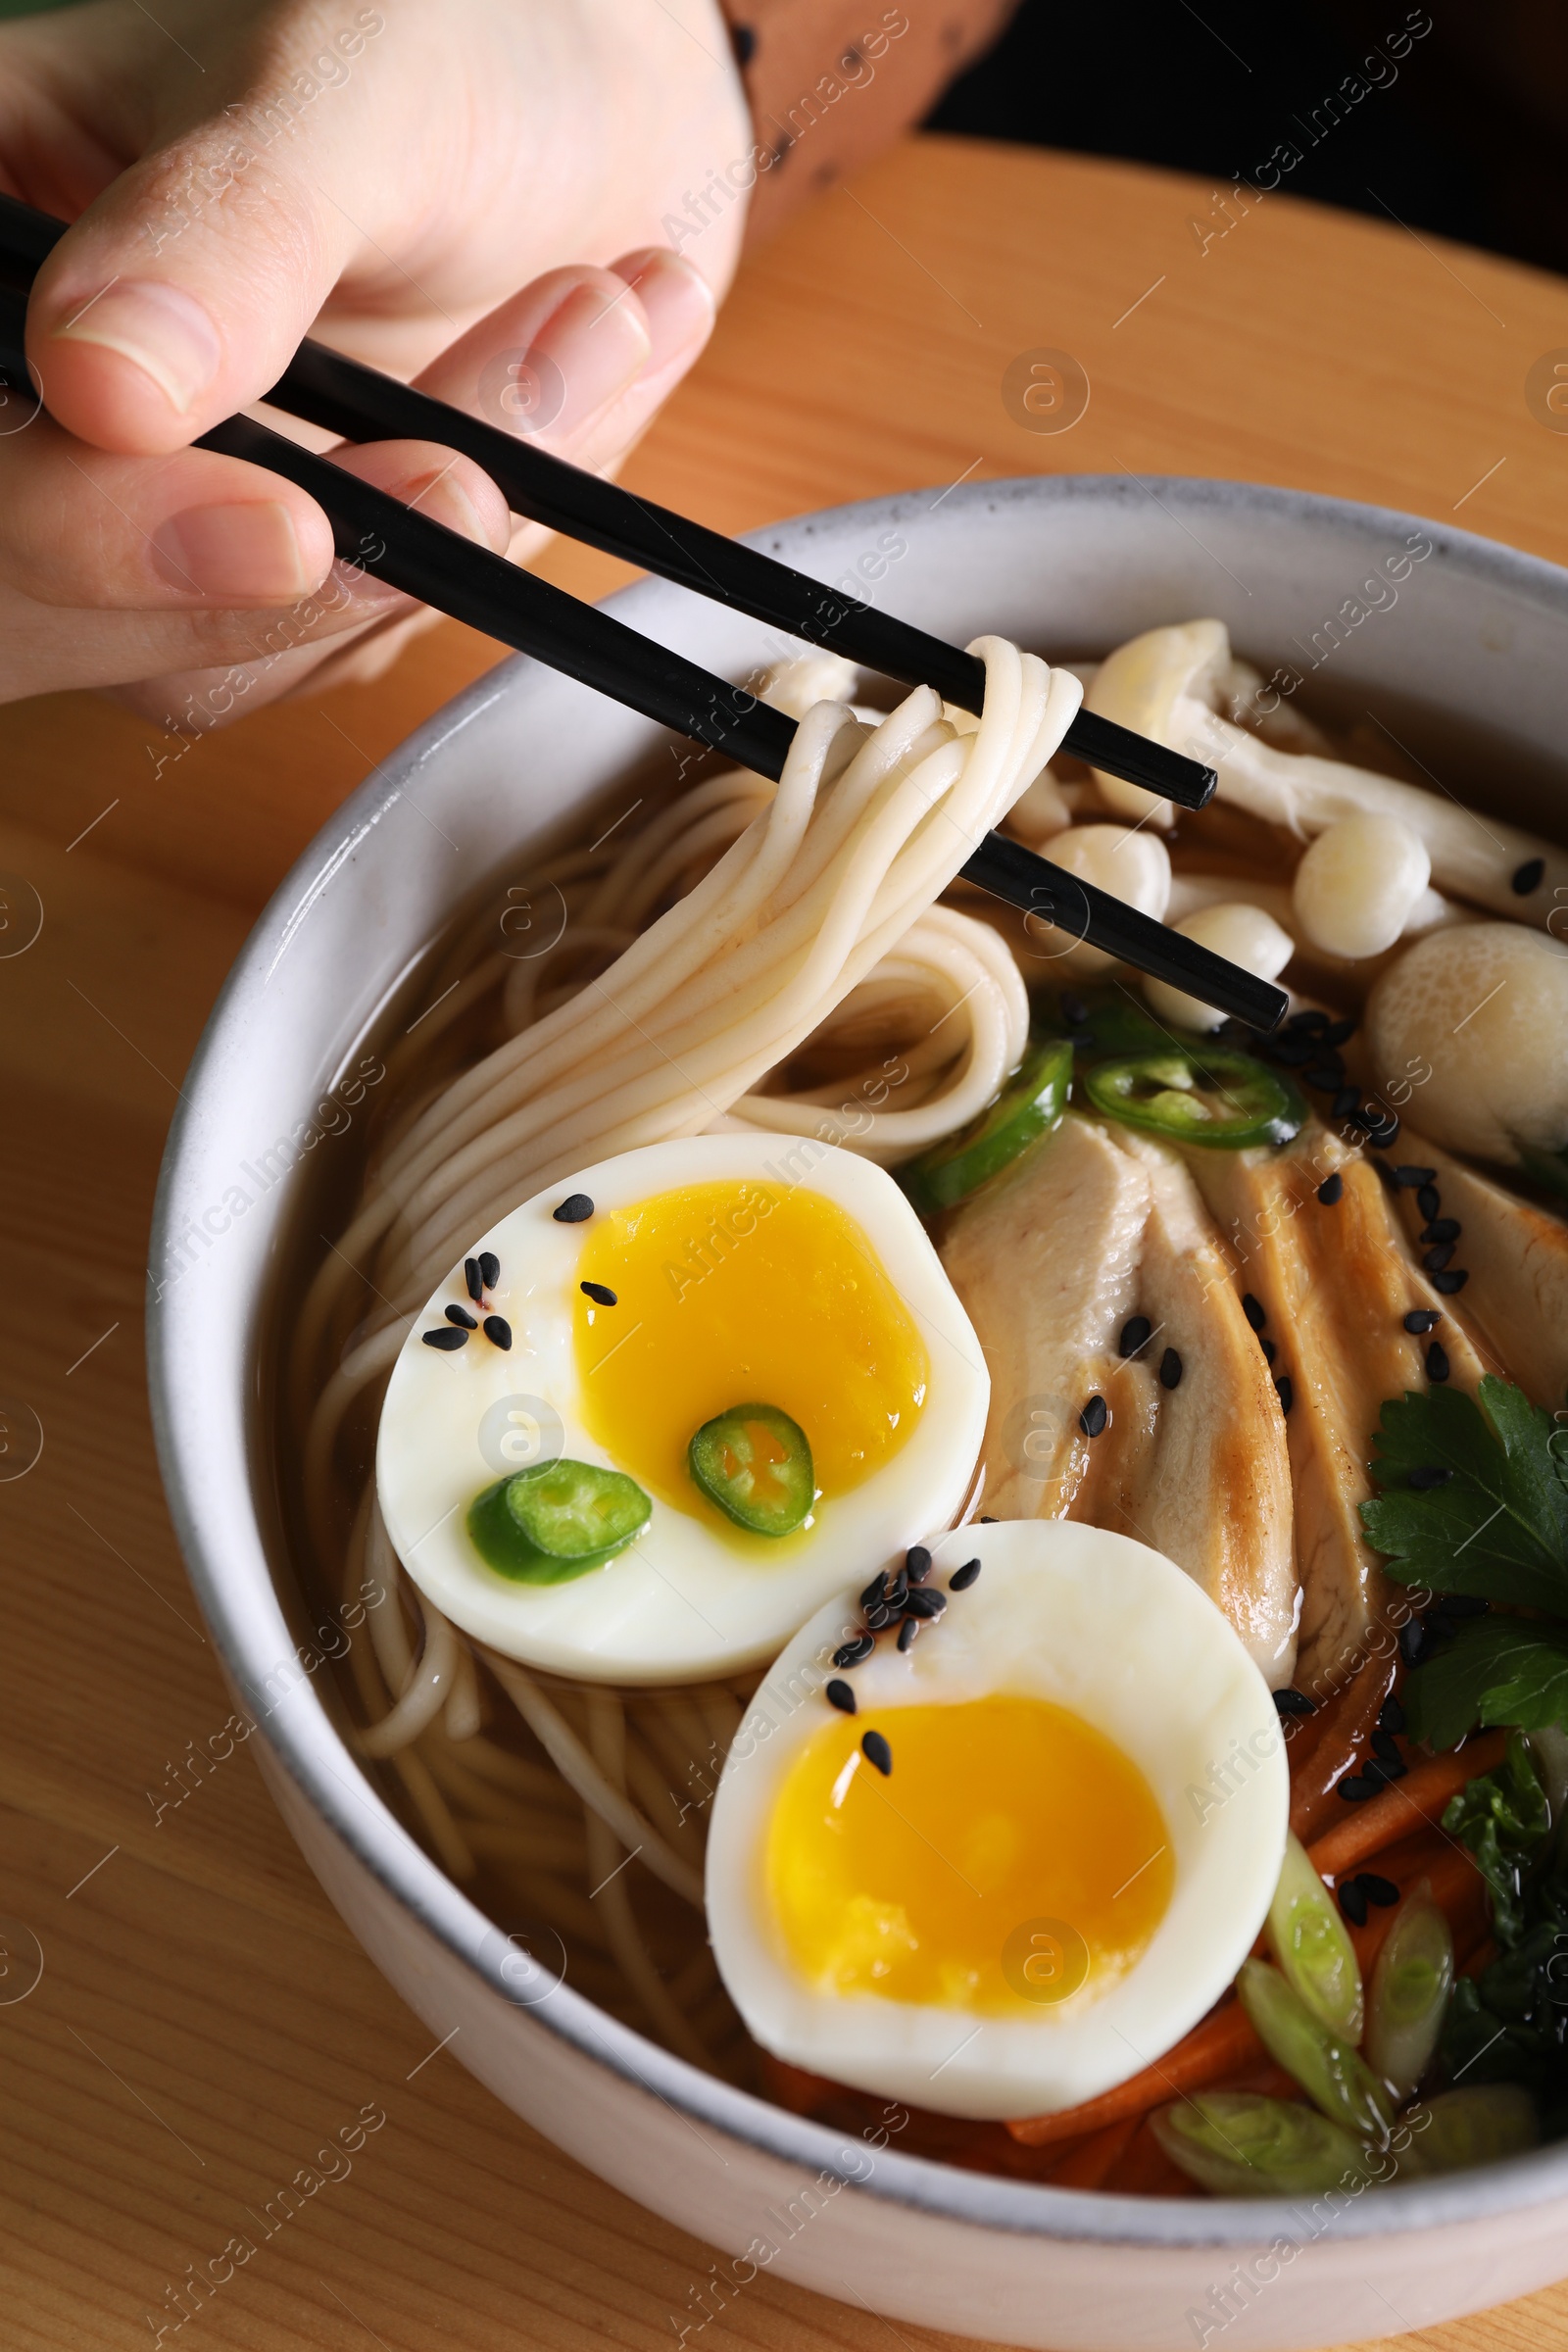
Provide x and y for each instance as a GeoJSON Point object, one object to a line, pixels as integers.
{"type": "Point", "coordinates": [1012, 1857]}
{"type": "Point", "coordinates": [734, 1294]}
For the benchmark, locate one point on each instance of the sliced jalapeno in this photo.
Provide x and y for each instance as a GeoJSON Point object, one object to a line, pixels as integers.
{"type": "Point", "coordinates": [1104, 1024]}
{"type": "Point", "coordinates": [557, 1520]}
{"type": "Point", "coordinates": [1028, 1106]}
{"type": "Point", "coordinates": [755, 1462]}
{"type": "Point", "coordinates": [1227, 1100]}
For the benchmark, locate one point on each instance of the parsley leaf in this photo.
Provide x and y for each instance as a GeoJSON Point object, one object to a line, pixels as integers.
{"type": "Point", "coordinates": [1503, 1817]}
{"type": "Point", "coordinates": [1496, 1670]}
{"type": "Point", "coordinates": [1497, 1528]}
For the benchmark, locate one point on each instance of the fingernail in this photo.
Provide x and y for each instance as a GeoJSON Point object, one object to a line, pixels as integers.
{"type": "Point", "coordinates": [162, 329]}
{"type": "Point", "coordinates": [443, 497]}
{"type": "Point", "coordinates": [597, 344]}
{"type": "Point", "coordinates": [249, 554]}
{"type": "Point", "coordinates": [676, 298]}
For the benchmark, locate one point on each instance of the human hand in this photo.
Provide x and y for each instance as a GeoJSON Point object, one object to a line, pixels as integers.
{"type": "Point", "coordinates": [383, 178]}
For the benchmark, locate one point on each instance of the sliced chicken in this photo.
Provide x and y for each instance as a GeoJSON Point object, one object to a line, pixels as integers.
{"type": "Point", "coordinates": [1335, 1282]}
{"type": "Point", "coordinates": [1046, 1262]}
{"type": "Point", "coordinates": [1094, 1227]}
{"type": "Point", "coordinates": [1211, 1487]}
{"type": "Point", "coordinates": [1517, 1257]}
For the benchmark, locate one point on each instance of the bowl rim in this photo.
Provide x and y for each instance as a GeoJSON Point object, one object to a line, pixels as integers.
{"type": "Point", "coordinates": [349, 1802]}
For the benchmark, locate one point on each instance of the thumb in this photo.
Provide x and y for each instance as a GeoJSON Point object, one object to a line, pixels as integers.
{"type": "Point", "coordinates": [183, 291]}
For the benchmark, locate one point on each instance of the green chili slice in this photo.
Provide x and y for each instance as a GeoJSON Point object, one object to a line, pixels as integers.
{"type": "Point", "coordinates": [557, 1520]}
{"type": "Point", "coordinates": [1227, 1100]}
{"type": "Point", "coordinates": [755, 1462]}
{"type": "Point", "coordinates": [1028, 1106]}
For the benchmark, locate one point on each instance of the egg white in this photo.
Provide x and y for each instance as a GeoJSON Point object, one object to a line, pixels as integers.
{"type": "Point", "coordinates": [1115, 1631]}
{"type": "Point", "coordinates": [685, 1603]}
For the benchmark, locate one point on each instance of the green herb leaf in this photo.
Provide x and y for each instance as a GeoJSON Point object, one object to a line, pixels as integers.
{"type": "Point", "coordinates": [1503, 1817]}
{"type": "Point", "coordinates": [1499, 1526]}
{"type": "Point", "coordinates": [1496, 1670]}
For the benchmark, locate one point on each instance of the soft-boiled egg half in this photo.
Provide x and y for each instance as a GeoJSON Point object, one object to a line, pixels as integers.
{"type": "Point", "coordinates": [1033, 1854]}
{"type": "Point", "coordinates": [666, 1407]}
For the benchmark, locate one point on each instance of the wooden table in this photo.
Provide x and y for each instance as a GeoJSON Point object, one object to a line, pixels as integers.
{"type": "Point", "coordinates": [202, 2020]}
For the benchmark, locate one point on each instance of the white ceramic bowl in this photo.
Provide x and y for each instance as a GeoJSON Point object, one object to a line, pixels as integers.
{"type": "Point", "coordinates": [1070, 565]}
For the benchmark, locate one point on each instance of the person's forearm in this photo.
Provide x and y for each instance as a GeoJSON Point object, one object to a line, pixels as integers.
{"type": "Point", "coordinates": [832, 81]}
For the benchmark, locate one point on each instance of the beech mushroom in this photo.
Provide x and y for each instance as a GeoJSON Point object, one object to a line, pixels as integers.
{"type": "Point", "coordinates": [1128, 862]}
{"type": "Point", "coordinates": [1244, 935]}
{"type": "Point", "coordinates": [1168, 682]}
{"type": "Point", "coordinates": [1485, 1009]}
{"type": "Point", "coordinates": [1360, 883]}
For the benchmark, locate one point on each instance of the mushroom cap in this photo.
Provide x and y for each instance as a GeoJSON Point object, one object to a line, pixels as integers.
{"type": "Point", "coordinates": [1359, 882]}
{"type": "Point", "coordinates": [1139, 686]}
{"type": "Point", "coordinates": [1245, 934]}
{"type": "Point", "coordinates": [1484, 1010]}
{"type": "Point", "coordinates": [1129, 861]}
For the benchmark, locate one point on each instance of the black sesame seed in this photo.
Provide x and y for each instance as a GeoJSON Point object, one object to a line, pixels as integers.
{"type": "Point", "coordinates": [489, 1268]}
{"type": "Point", "coordinates": [925, 1602]}
{"type": "Point", "coordinates": [1391, 1715]}
{"type": "Point", "coordinates": [896, 1592]}
{"type": "Point", "coordinates": [962, 1578]}
{"type": "Point", "coordinates": [987, 1518]}
{"type": "Point", "coordinates": [1084, 1039]}
{"type": "Point", "coordinates": [1427, 1476]}
{"type": "Point", "coordinates": [1385, 1745]}
{"type": "Point", "coordinates": [445, 1336]}
{"type": "Point", "coordinates": [1441, 1229]}
{"type": "Point", "coordinates": [1285, 1389]}
{"type": "Point", "coordinates": [1423, 1318]}
{"type": "Point", "coordinates": [1136, 1334]}
{"type": "Point", "coordinates": [1170, 1369]}
{"type": "Point", "coordinates": [600, 1293]}
{"type": "Point", "coordinates": [462, 1318]}
{"type": "Point", "coordinates": [1094, 1417]}
{"type": "Point", "coordinates": [1429, 1200]}
{"type": "Point", "coordinates": [1075, 1012]}
{"type": "Point", "coordinates": [498, 1331]}
{"type": "Point", "coordinates": [1255, 1310]}
{"type": "Point", "coordinates": [874, 1591]}
{"type": "Point", "coordinates": [840, 1695]}
{"type": "Point", "coordinates": [1438, 1628]}
{"type": "Point", "coordinates": [850, 1653]}
{"type": "Point", "coordinates": [1331, 1190]}
{"type": "Point", "coordinates": [1411, 1176]}
{"type": "Point", "coordinates": [1380, 1773]}
{"type": "Point", "coordinates": [876, 1750]}
{"type": "Point", "coordinates": [575, 1209]}
{"type": "Point", "coordinates": [878, 1616]}
{"type": "Point", "coordinates": [908, 1632]}
{"type": "Point", "coordinates": [1356, 1791]}
{"type": "Point", "coordinates": [1293, 1702]}
{"type": "Point", "coordinates": [1377, 1889]}
{"type": "Point", "coordinates": [1326, 1074]}
{"type": "Point", "coordinates": [1413, 1641]}
{"type": "Point", "coordinates": [1465, 1604]}
{"type": "Point", "coordinates": [1529, 876]}
{"type": "Point", "coordinates": [1312, 1020]}
{"type": "Point", "coordinates": [1345, 1102]}
{"type": "Point", "coordinates": [917, 1563]}
{"type": "Point", "coordinates": [1270, 1351]}
{"type": "Point", "coordinates": [1352, 1901]}
{"type": "Point", "coordinates": [1453, 1280]}
{"type": "Point", "coordinates": [1435, 1260]}
{"type": "Point", "coordinates": [1438, 1366]}
{"type": "Point", "coordinates": [475, 1281]}
{"type": "Point", "coordinates": [1338, 1033]}
{"type": "Point", "coordinates": [1292, 1052]}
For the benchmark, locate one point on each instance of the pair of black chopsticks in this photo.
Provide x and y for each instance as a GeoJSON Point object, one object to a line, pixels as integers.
{"type": "Point", "coordinates": [440, 567]}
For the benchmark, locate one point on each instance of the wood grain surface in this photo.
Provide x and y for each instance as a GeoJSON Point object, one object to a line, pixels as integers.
{"type": "Point", "coordinates": [203, 2023]}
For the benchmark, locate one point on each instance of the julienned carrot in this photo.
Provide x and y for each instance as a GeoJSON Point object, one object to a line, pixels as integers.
{"type": "Point", "coordinates": [1350, 1716]}
{"type": "Point", "coordinates": [1396, 1812]}
{"type": "Point", "coordinates": [1452, 1879]}
{"type": "Point", "coordinates": [1087, 2165]}
{"type": "Point", "coordinates": [1222, 2043]}
{"type": "Point", "coordinates": [1145, 2170]}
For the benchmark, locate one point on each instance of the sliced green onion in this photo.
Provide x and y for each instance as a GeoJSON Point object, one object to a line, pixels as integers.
{"type": "Point", "coordinates": [755, 1463]}
{"type": "Point", "coordinates": [1240, 2144]}
{"type": "Point", "coordinates": [1475, 2125]}
{"type": "Point", "coordinates": [1313, 1946]}
{"type": "Point", "coordinates": [1410, 1985]}
{"type": "Point", "coordinates": [557, 1520]}
{"type": "Point", "coordinates": [1227, 1100]}
{"type": "Point", "coordinates": [1330, 2069]}
{"type": "Point", "coordinates": [1028, 1106]}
